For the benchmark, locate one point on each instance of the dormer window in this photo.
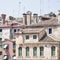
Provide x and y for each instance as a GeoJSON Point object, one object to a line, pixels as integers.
{"type": "Point", "coordinates": [50, 30]}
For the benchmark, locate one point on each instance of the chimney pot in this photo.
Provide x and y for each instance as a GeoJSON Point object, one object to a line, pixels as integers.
{"type": "Point", "coordinates": [3, 16]}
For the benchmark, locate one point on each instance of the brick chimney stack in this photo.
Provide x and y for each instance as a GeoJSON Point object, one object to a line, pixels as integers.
{"type": "Point", "coordinates": [3, 17]}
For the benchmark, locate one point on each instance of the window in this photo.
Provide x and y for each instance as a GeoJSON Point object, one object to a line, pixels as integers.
{"type": "Point", "coordinates": [5, 57]}
{"type": "Point", "coordinates": [34, 36]}
{"type": "Point", "coordinates": [35, 51]}
{"type": "Point", "coordinates": [27, 51]}
{"type": "Point", "coordinates": [41, 51]}
{"type": "Point", "coordinates": [14, 30]}
{"type": "Point", "coordinates": [5, 46]}
{"type": "Point", "coordinates": [14, 45]}
{"type": "Point", "coordinates": [13, 57]}
{"type": "Point", "coordinates": [53, 51]}
{"type": "Point", "coordinates": [0, 30]}
{"type": "Point", "coordinates": [50, 30]}
{"type": "Point", "coordinates": [0, 52]}
{"type": "Point", "coordinates": [20, 51]}
{"type": "Point", "coordinates": [27, 36]}
{"type": "Point", "coordinates": [1, 42]}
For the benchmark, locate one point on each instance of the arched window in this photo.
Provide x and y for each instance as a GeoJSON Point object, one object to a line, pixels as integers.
{"type": "Point", "coordinates": [35, 51]}
{"type": "Point", "coordinates": [20, 51]}
{"type": "Point", "coordinates": [27, 51]}
{"type": "Point", "coordinates": [41, 51]}
{"type": "Point", "coordinates": [53, 51]}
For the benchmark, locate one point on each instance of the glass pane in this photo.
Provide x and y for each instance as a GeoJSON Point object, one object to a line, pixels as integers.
{"type": "Point", "coordinates": [34, 36]}
{"type": "Point", "coordinates": [27, 36]}
{"type": "Point", "coordinates": [41, 51]}
{"type": "Point", "coordinates": [50, 30]}
{"type": "Point", "coordinates": [53, 51]}
{"type": "Point", "coordinates": [34, 51]}
{"type": "Point", "coordinates": [27, 51]}
{"type": "Point", "coordinates": [1, 42]}
{"type": "Point", "coordinates": [20, 51]}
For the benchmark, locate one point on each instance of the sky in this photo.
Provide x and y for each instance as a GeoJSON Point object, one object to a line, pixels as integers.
{"type": "Point", "coordinates": [18, 7]}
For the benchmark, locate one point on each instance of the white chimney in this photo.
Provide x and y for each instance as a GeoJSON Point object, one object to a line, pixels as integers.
{"type": "Point", "coordinates": [29, 17]}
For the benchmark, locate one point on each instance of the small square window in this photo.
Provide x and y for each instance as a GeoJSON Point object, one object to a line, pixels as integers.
{"type": "Point", "coordinates": [34, 36]}
{"type": "Point", "coordinates": [27, 36]}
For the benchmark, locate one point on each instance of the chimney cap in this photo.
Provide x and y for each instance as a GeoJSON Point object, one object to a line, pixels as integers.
{"type": "Point", "coordinates": [3, 16]}
{"type": "Point", "coordinates": [24, 13]}
{"type": "Point", "coordinates": [35, 14]}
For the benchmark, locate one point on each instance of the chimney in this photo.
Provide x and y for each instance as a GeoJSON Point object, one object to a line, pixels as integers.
{"type": "Point", "coordinates": [24, 19]}
{"type": "Point", "coordinates": [3, 17]}
{"type": "Point", "coordinates": [35, 16]}
{"type": "Point", "coordinates": [29, 14]}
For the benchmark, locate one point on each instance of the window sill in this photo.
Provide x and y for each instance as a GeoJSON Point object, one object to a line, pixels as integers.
{"type": "Point", "coordinates": [53, 56]}
{"type": "Point", "coordinates": [35, 56]}
{"type": "Point", "coordinates": [27, 56]}
{"type": "Point", "coordinates": [20, 56]}
{"type": "Point", "coordinates": [42, 56]}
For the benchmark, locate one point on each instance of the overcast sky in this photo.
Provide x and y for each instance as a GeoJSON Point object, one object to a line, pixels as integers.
{"type": "Point", "coordinates": [18, 7]}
